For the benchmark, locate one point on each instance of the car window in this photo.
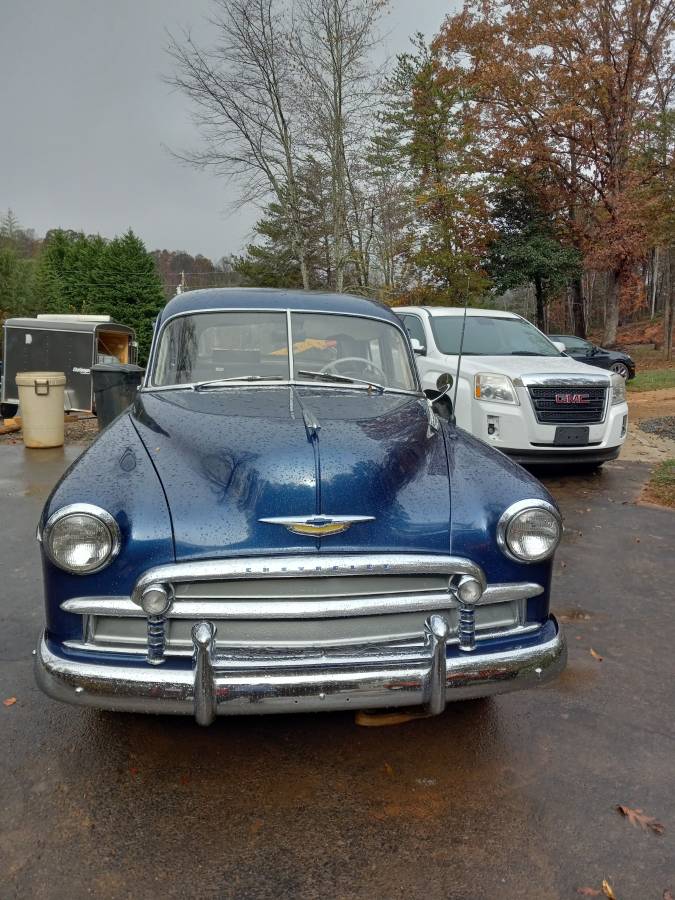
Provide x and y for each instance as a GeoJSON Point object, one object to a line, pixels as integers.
{"type": "Point", "coordinates": [490, 336]}
{"type": "Point", "coordinates": [207, 346]}
{"type": "Point", "coordinates": [368, 349]}
{"type": "Point", "coordinates": [415, 328]}
{"type": "Point", "coordinates": [572, 343]}
{"type": "Point", "coordinates": [230, 345]}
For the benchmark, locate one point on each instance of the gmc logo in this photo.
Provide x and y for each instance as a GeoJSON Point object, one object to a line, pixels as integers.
{"type": "Point", "coordinates": [572, 398]}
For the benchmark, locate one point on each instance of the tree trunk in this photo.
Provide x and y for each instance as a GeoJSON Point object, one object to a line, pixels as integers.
{"type": "Point", "coordinates": [304, 270]}
{"type": "Point", "coordinates": [612, 317]}
{"type": "Point", "coordinates": [578, 319]}
{"type": "Point", "coordinates": [540, 317]}
{"type": "Point", "coordinates": [669, 304]}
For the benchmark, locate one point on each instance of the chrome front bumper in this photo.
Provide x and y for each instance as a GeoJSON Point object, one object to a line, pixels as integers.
{"type": "Point", "coordinates": [365, 678]}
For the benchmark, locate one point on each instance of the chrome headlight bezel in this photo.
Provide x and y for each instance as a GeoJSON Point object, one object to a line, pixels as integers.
{"type": "Point", "coordinates": [88, 510]}
{"type": "Point", "coordinates": [511, 514]}
{"type": "Point", "coordinates": [492, 381]}
{"type": "Point", "coordinates": [618, 389]}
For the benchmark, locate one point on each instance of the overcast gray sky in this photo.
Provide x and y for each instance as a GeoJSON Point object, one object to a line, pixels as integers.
{"type": "Point", "coordinates": [85, 118]}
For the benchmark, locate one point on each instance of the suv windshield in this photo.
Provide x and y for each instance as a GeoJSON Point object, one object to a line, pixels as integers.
{"type": "Point", "coordinates": [490, 336]}
{"type": "Point", "coordinates": [222, 347]}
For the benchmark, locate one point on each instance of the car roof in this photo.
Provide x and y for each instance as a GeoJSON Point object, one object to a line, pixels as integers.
{"type": "Point", "coordinates": [459, 311]}
{"type": "Point", "coordinates": [275, 299]}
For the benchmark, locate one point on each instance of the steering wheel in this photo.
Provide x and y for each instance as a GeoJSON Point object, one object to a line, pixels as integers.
{"type": "Point", "coordinates": [365, 364]}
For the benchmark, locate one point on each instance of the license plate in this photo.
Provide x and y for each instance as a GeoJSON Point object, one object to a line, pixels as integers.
{"type": "Point", "coordinates": [567, 436]}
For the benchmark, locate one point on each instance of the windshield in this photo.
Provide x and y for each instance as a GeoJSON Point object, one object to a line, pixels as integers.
{"type": "Point", "coordinates": [327, 349]}
{"type": "Point", "coordinates": [490, 336]}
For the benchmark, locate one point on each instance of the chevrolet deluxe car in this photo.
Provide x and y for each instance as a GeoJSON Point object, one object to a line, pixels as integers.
{"type": "Point", "coordinates": [281, 523]}
{"type": "Point", "coordinates": [518, 391]}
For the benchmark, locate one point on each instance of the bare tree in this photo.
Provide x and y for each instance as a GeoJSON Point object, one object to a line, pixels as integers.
{"type": "Point", "coordinates": [332, 40]}
{"type": "Point", "coordinates": [242, 93]}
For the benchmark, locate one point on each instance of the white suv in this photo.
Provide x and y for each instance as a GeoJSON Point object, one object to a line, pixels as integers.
{"type": "Point", "coordinates": [517, 391]}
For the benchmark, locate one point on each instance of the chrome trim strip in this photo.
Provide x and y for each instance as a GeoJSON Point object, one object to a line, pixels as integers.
{"type": "Point", "coordinates": [248, 657]}
{"type": "Point", "coordinates": [289, 340]}
{"type": "Point", "coordinates": [379, 680]}
{"type": "Point", "coordinates": [562, 380]}
{"type": "Point", "coordinates": [305, 566]}
{"type": "Point", "coordinates": [279, 609]}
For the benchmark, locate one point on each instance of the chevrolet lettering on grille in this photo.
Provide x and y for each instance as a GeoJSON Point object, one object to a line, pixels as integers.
{"type": "Point", "coordinates": [572, 398]}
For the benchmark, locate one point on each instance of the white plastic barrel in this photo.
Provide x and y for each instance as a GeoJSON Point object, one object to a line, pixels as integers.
{"type": "Point", "coordinates": [41, 404]}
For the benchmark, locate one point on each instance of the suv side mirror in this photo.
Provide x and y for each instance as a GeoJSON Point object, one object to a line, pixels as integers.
{"type": "Point", "coordinates": [444, 382]}
{"type": "Point", "coordinates": [418, 347]}
{"type": "Point", "coordinates": [559, 346]}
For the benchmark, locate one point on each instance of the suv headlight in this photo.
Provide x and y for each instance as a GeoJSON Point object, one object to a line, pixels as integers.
{"type": "Point", "coordinates": [529, 531]}
{"type": "Point", "coordinates": [496, 388]}
{"type": "Point", "coordinates": [618, 389]}
{"type": "Point", "coordinates": [81, 538]}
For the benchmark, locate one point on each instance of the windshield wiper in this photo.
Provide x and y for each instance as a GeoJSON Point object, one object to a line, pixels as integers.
{"type": "Point", "coordinates": [526, 353]}
{"type": "Point", "coordinates": [218, 382]}
{"type": "Point", "coordinates": [341, 379]}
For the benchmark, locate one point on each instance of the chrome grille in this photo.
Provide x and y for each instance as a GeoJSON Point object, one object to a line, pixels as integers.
{"type": "Point", "coordinates": [550, 408]}
{"type": "Point", "coordinates": [311, 605]}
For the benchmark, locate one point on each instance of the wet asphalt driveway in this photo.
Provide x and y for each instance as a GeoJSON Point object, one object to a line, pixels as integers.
{"type": "Point", "coordinates": [509, 798]}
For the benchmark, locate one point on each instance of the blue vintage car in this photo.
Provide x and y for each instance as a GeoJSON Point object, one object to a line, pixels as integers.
{"type": "Point", "coordinates": [281, 522]}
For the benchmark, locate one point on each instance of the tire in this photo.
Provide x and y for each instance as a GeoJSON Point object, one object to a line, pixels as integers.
{"type": "Point", "coordinates": [8, 410]}
{"type": "Point", "coordinates": [620, 369]}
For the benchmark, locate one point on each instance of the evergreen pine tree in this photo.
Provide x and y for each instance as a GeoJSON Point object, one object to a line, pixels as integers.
{"type": "Point", "coordinates": [127, 287]}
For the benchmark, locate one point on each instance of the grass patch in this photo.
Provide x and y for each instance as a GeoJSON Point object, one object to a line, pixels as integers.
{"type": "Point", "coordinates": [653, 380]}
{"type": "Point", "coordinates": [661, 486]}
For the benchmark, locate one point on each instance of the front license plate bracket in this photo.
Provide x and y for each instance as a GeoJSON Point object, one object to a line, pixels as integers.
{"type": "Point", "coordinates": [571, 436]}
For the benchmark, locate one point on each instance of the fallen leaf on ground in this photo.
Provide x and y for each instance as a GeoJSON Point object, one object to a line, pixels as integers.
{"type": "Point", "coordinates": [10, 701]}
{"type": "Point", "coordinates": [596, 655]}
{"type": "Point", "coordinates": [588, 892]}
{"type": "Point", "coordinates": [607, 889]}
{"type": "Point", "coordinates": [638, 817]}
{"type": "Point", "coordinates": [389, 769]}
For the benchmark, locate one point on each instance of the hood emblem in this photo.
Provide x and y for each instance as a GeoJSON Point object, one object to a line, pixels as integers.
{"type": "Point", "coordinates": [317, 526]}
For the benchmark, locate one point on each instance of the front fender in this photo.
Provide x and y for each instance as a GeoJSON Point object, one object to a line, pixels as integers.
{"type": "Point", "coordinates": [117, 474]}
{"type": "Point", "coordinates": [484, 483]}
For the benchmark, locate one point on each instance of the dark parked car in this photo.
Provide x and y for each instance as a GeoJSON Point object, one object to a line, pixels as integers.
{"type": "Point", "coordinates": [584, 351]}
{"type": "Point", "coordinates": [282, 523]}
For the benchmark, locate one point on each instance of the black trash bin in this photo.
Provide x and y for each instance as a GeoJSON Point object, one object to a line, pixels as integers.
{"type": "Point", "coordinates": [115, 388]}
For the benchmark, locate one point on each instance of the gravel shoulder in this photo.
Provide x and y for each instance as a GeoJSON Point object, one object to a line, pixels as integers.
{"type": "Point", "coordinates": [643, 446]}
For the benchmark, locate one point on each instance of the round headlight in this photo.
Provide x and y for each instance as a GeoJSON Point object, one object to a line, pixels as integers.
{"type": "Point", "coordinates": [81, 538]}
{"type": "Point", "coordinates": [529, 531]}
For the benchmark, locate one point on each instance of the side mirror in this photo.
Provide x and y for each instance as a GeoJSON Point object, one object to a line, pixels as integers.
{"type": "Point", "coordinates": [444, 382]}
{"type": "Point", "coordinates": [559, 346]}
{"type": "Point", "coordinates": [418, 347]}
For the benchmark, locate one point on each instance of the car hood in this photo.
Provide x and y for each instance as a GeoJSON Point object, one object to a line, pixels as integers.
{"type": "Point", "coordinates": [519, 366]}
{"type": "Point", "coordinates": [230, 457]}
